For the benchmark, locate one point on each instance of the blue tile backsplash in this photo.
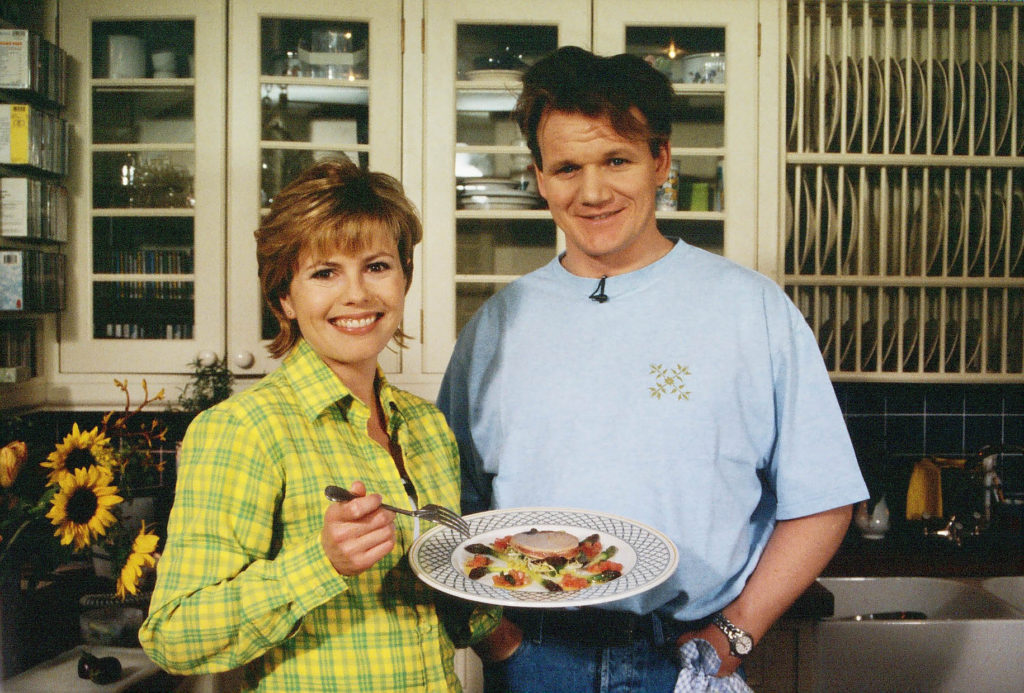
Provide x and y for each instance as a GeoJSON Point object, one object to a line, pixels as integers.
{"type": "Point", "coordinates": [919, 419]}
{"type": "Point", "coordinates": [891, 425]}
{"type": "Point", "coordinates": [894, 425]}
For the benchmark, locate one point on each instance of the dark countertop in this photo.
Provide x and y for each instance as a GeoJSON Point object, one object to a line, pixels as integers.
{"type": "Point", "coordinates": [913, 555]}
{"type": "Point", "coordinates": [910, 554]}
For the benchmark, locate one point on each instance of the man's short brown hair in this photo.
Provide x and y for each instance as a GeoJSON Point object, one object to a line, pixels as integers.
{"type": "Point", "coordinates": [618, 87]}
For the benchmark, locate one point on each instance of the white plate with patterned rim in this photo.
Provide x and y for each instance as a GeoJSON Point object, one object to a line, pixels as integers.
{"type": "Point", "coordinates": [648, 557]}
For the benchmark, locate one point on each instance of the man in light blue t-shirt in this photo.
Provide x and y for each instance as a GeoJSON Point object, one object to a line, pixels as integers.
{"type": "Point", "coordinates": [640, 376]}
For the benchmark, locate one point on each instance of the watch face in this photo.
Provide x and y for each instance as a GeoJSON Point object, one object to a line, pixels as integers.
{"type": "Point", "coordinates": [743, 645]}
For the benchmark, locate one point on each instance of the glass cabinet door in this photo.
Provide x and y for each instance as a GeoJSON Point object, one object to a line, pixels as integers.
{"type": "Point", "coordinates": [146, 292]}
{"type": "Point", "coordinates": [486, 224]}
{"type": "Point", "coordinates": [320, 80]}
{"type": "Point", "coordinates": [714, 140]}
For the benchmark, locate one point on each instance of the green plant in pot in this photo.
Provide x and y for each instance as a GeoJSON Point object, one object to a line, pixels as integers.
{"type": "Point", "coordinates": [211, 382]}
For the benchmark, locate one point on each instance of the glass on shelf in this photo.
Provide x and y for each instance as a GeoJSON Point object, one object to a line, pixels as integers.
{"type": "Point", "coordinates": [476, 128]}
{"type": "Point", "coordinates": [281, 166]}
{"type": "Point", "coordinates": [158, 49]}
{"type": "Point", "coordinates": [319, 49]}
{"type": "Point", "coordinates": [497, 180]}
{"type": "Point", "coordinates": [338, 116]}
{"type": "Point", "coordinates": [515, 192]}
{"type": "Point", "coordinates": [330, 119]}
{"type": "Point", "coordinates": [493, 167]}
{"type": "Point", "coordinates": [143, 179]}
{"type": "Point", "coordinates": [694, 185]}
{"type": "Point", "coordinates": [705, 110]}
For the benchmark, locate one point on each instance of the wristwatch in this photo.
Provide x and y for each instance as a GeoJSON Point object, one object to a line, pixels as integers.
{"type": "Point", "coordinates": [740, 642]}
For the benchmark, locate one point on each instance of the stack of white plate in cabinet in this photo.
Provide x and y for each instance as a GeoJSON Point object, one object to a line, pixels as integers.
{"type": "Point", "coordinates": [494, 193]}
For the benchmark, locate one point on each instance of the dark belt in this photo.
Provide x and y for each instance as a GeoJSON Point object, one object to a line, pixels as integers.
{"type": "Point", "coordinates": [598, 627]}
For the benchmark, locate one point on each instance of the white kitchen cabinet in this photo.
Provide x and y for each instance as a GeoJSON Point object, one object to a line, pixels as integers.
{"type": "Point", "coordinates": [714, 136]}
{"type": "Point", "coordinates": [174, 164]}
{"type": "Point", "coordinates": [417, 102]}
{"type": "Point", "coordinates": [477, 243]}
{"type": "Point", "coordinates": [471, 248]}
{"type": "Point", "coordinates": [292, 102]}
{"type": "Point", "coordinates": [146, 289]}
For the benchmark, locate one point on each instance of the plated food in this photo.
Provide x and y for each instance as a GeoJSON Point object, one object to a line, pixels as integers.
{"type": "Point", "coordinates": [554, 559]}
{"type": "Point", "coordinates": [643, 557]}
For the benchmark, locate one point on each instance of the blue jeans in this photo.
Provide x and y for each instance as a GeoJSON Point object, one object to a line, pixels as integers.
{"type": "Point", "coordinates": [566, 667]}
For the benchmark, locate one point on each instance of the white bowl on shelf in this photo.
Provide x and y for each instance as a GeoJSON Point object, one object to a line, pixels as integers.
{"type": "Point", "coordinates": [700, 68]}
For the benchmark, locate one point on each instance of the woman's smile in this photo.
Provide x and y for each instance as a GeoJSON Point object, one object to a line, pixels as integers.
{"type": "Point", "coordinates": [356, 324]}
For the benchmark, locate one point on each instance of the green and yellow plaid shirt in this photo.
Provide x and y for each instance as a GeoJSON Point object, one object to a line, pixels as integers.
{"type": "Point", "coordinates": [244, 577]}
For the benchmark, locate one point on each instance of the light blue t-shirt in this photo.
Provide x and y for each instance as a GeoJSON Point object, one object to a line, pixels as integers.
{"type": "Point", "coordinates": [694, 400]}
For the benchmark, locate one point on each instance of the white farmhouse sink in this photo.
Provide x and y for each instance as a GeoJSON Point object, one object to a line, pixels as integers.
{"type": "Point", "coordinates": [970, 639]}
{"type": "Point", "coordinates": [1009, 589]}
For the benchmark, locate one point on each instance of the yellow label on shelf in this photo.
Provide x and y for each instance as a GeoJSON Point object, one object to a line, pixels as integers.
{"type": "Point", "coordinates": [14, 137]}
{"type": "Point", "coordinates": [19, 134]}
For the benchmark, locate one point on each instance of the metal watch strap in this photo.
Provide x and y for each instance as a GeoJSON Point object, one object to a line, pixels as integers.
{"type": "Point", "coordinates": [740, 641]}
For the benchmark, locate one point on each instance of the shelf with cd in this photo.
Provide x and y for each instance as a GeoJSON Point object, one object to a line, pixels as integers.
{"type": "Point", "coordinates": [35, 143]}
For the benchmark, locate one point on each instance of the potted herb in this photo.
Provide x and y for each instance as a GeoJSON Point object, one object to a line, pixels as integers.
{"type": "Point", "coordinates": [211, 382]}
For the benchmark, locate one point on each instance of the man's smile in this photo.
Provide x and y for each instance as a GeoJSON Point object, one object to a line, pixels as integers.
{"type": "Point", "coordinates": [600, 217]}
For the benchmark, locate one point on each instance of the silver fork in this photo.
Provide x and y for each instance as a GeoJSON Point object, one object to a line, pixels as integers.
{"type": "Point", "coordinates": [432, 512]}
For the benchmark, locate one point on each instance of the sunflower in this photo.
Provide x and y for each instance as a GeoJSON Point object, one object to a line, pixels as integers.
{"type": "Point", "coordinates": [81, 508]}
{"type": "Point", "coordinates": [140, 557]}
{"type": "Point", "coordinates": [79, 451]}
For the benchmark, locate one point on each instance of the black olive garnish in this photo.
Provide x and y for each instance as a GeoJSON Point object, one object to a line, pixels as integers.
{"type": "Point", "coordinates": [556, 562]}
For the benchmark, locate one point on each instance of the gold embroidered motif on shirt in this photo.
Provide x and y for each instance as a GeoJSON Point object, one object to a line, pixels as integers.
{"type": "Point", "coordinates": [669, 382]}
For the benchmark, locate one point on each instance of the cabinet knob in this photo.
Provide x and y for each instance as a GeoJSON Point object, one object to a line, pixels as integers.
{"type": "Point", "coordinates": [244, 359]}
{"type": "Point", "coordinates": [206, 358]}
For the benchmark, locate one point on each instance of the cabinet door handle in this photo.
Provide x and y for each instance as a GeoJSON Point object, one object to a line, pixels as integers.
{"type": "Point", "coordinates": [244, 359]}
{"type": "Point", "coordinates": [206, 358]}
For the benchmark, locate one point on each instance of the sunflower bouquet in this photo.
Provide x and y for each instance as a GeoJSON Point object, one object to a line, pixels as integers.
{"type": "Point", "coordinates": [74, 500]}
